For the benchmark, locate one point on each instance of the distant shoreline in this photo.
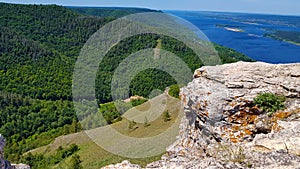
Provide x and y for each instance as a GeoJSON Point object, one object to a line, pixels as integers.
{"type": "Point", "coordinates": [233, 12]}
{"type": "Point", "coordinates": [281, 37]}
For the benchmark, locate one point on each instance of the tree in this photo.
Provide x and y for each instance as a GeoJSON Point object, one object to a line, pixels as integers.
{"type": "Point", "coordinates": [166, 116]}
{"type": "Point", "coordinates": [174, 91]}
{"type": "Point", "coordinates": [75, 162]}
{"type": "Point", "coordinates": [131, 124]}
{"type": "Point", "coordinates": [146, 123]}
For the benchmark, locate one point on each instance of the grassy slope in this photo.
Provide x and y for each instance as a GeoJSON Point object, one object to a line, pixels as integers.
{"type": "Point", "coordinates": [41, 66]}
{"type": "Point", "coordinates": [93, 156]}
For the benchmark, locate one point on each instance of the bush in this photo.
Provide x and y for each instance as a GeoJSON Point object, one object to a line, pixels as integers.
{"type": "Point", "coordinates": [110, 113]}
{"type": "Point", "coordinates": [174, 90]}
{"type": "Point", "coordinates": [146, 123]}
{"type": "Point", "coordinates": [75, 162]}
{"type": "Point", "coordinates": [166, 116]}
{"type": "Point", "coordinates": [270, 102]}
{"type": "Point", "coordinates": [42, 161]}
{"type": "Point", "coordinates": [137, 102]}
{"type": "Point", "coordinates": [131, 124]}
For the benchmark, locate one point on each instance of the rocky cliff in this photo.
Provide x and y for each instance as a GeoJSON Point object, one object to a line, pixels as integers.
{"type": "Point", "coordinates": [4, 164]}
{"type": "Point", "coordinates": [223, 128]}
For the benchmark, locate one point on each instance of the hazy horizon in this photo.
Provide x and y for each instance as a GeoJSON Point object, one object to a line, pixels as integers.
{"type": "Point", "coordinates": [274, 7]}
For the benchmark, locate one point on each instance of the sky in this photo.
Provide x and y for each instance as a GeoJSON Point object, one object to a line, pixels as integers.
{"type": "Point", "coordinates": [284, 7]}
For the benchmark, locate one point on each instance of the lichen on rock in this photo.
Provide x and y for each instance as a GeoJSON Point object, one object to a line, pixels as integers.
{"type": "Point", "coordinates": [223, 128]}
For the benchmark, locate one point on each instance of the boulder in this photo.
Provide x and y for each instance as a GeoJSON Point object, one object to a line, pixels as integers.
{"type": "Point", "coordinates": [20, 166]}
{"type": "Point", "coordinates": [123, 165]}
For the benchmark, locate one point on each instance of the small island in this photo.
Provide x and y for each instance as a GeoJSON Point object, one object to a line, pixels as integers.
{"type": "Point", "coordinates": [233, 28]}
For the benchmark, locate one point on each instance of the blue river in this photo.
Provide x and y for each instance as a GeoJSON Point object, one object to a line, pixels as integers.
{"type": "Point", "coordinates": [250, 39]}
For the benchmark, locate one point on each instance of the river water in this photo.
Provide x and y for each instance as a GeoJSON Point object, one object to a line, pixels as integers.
{"type": "Point", "coordinates": [245, 33]}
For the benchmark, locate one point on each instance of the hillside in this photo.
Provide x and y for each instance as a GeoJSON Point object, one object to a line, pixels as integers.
{"type": "Point", "coordinates": [238, 115]}
{"type": "Point", "coordinates": [113, 12]}
{"type": "Point", "coordinates": [93, 156]}
{"type": "Point", "coordinates": [39, 46]}
{"type": "Point", "coordinates": [47, 49]}
{"type": "Point", "coordinates": [244, 136]}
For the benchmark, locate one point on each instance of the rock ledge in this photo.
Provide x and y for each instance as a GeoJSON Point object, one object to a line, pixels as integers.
{"type": "Point", "coordinates": [224, 129]}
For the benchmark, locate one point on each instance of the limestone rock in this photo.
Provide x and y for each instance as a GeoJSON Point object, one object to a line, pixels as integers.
{"type": "Point", "coordinates": [20, 166]}
{"type": "Point", "coordinates": [223, 124]}
{"type": "Point", "coordinates": [287, 139]}
{"type": "Point", "coordinates": [224, 129]}
{"type": "Point", "coordinates": [4, 164]}
{"type": "Point", "coordinates": [124, 165]}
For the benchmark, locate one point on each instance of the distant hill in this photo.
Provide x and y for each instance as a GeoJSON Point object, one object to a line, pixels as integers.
{"type": "Point", "coordinates": [40, 44]}
{"type": "Point", "coordinates": [116, 12]}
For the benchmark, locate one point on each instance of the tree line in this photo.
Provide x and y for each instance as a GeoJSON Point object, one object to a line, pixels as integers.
{"type": "Point", "coordinates": [39, 45]}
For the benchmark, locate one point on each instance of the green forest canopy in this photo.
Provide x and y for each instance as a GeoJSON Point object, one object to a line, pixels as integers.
{"type": "Point", "coordinates": [39, 45]}
{"type": "Point", "coordinates": [112, 12]}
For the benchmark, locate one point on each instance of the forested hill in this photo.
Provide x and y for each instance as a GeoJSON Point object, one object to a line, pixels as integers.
{"type": "Point", "coordinates": [39, 45]}
{"type": "Point", "coordinates": [115, 12]}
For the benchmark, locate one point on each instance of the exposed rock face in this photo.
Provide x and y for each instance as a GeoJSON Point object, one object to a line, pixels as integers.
{"type": "Point", "coordinates": [124, 165]}
{"type": "Point", "coordinates": [222, 98]}
{"type": "Point", "coordinates": [20, 166]}
{"type": "Point", "coordinates": [4, 164]}
{"type": "Point", "coordinates": [224, 129]}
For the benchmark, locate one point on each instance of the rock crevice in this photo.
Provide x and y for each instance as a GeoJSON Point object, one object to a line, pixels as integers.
{"type": "Point", "coordinates": [223, 128]}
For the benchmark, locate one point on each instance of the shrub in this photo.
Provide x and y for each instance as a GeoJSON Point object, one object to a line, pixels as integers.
{"type": "Point", "coordinates": [110, 113]}
{"type": "Point", "coordinates": [131, 124]}
{"type": "Point", "coordinates": [137, 102]}
{"type": "Point", "coordinates": [166, 116]}
{"type": "Point", "coordinates": [42, 161]}
{"type": "Point", "coordinates": [174, 90]}
{"type": "Point", "coordinates": [75, 162]}
{"type": "Point", "coordinates": [146, 123]}
{"type": "Point", "coordinates": [270, 102]}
